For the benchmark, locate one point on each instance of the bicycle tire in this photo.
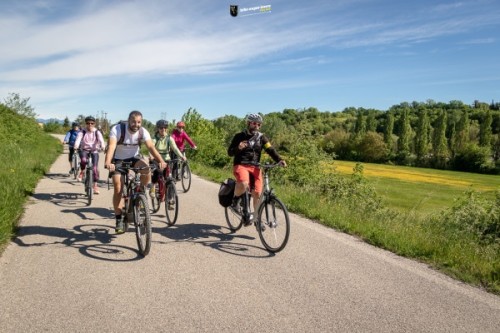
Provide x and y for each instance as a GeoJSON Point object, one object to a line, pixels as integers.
{"type": "Point", "coordinates": [155, 199]}
{"type": "Point", "coordinates": [186, 177]}
{"type": "Point", "coordinates": [234, 217]}
{"type": "Point", "coordinates": [142, 222]}
{"type": "Point", "coordinates": [76, 165]}
{"type": "Point", "coordinates": [273, 224]}
{"type": "Point", "coordinates": [171, 200]}
{"type": "Point", "coordinates": [89, 186]}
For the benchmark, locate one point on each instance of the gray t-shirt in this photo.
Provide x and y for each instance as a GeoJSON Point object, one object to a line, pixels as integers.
{"type": "Point", "coordinates": [130, 147]}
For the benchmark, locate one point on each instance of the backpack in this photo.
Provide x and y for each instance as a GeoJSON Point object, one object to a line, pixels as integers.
{"type": "Point", "coordinates": [157, 137]}
{"type": "Point", "coordinates": [72, 137]}
{"type": "Point", "coordinates": [226, 192]}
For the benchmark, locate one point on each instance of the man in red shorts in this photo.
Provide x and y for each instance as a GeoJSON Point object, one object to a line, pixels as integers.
{"type": "Point", "coordinates": [246, 147]}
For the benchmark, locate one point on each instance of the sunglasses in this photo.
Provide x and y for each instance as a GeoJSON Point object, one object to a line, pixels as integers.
{"type": "Point", "coordinates": [254, 123]}
{"type": "Point", "coordinates": [162, 128]}
{"type": "Point", "coordinates": [90, 123]}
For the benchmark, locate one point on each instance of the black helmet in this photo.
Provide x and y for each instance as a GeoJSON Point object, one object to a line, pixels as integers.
{"type": "Point", "coordinates": [75, 124]}
{"type": "Point", "coordinates": [161, 123]}
{"type": "Point", "coordinates": [90, 118]}
{"type": "Point", "coordinates": [254, 117]}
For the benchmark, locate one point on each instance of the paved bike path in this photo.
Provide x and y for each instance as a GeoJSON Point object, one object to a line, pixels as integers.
{"type": "Point", "coordinates": [68, 271]}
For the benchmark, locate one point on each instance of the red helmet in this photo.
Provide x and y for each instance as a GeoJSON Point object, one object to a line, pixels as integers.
{"type": "Point", "coordinates": [181, 124]}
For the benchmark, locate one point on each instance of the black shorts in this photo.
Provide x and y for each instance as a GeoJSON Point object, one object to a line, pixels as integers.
{"type": "Point", "coordinates": [118, 163]}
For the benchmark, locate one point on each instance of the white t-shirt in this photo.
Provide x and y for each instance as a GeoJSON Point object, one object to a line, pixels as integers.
{"type": "Point", "coordinates": [130, 146]}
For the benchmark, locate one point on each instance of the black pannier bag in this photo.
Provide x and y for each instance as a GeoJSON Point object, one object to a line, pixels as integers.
{"type": "Point", "coordinates": [226, 192]}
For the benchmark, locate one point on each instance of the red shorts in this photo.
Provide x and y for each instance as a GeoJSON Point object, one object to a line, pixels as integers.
{"type": "Point", "coordinates": [242, 174]}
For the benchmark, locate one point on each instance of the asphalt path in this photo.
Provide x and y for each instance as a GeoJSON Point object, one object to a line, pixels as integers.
{"type": "Point", "coordinates": [68, 272]}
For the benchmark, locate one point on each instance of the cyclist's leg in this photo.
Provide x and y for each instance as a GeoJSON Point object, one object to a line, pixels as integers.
{"type": "Point", "coordinates": [242, 176]}
{"type": "Point", "coordinates": [70, 155]}
{"type": "Point", "coordinates": [145, 174]}
{"type": "Point", "coordinates": [117, 193]}
{"type": "Point", "coordinates": [257, 188]}
{"type": "Point", "coordinates": [95, 158]}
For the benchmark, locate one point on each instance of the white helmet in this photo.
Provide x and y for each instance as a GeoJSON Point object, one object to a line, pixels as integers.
{"type": "Point", "coordinates": [254, 117]}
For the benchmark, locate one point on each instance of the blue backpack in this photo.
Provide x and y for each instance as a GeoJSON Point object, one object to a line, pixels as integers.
{"type": "Point", "coordinates": [72, 137]}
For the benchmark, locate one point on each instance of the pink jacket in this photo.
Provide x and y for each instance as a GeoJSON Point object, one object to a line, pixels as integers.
{"type": "Point", "coordinates": [92, 141]}
{"type": "Point", "coordinates": [179, 138]}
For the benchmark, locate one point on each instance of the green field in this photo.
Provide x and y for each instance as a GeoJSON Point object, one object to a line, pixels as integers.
{"type": "Point", "coordinates": [419, 189]}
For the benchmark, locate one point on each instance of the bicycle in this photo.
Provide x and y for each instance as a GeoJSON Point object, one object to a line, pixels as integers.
{"type": "Point", "coordinates": [165, 191]}
{"type": "Point", "coordinates": [75, 163]}
{"type": "Point", "coordinates": [89, 177]}
{"type": "Point", "coordinates": [272, 220]}
{"type": "Point", "coordinates": [185, 176]}
{"type": "Point", "coordinates": [136, 205]}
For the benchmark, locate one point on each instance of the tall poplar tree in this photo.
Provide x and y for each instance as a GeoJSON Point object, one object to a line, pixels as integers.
{"type": "Point", "coordinates": [422, 139]}
{"type": "Point", "coordinates": [440, 145]}
{"type": "Point", "coordinates": [404, 137]}
{"type": "Point", "coordinates": [485, 131]}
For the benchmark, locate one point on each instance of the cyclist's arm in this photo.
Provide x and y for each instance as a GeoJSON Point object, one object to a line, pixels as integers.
{"type": "Point", "coordinates": [266, 145]}
{"type": "Point", "coordinates": [152, 150]}
{"type": "Point", "coordinates": [102, 144]}
{"type": "Point", "coordinates": [110, 152]}
{"type": "Point", "coordinates": [233, 147]}
{"type": "Point", "coordinates": [175, 149]}
{"type": "Point", "coordinates": [78, 141]}
{"type": "Point", "coordinates": [189, 140]}
{"type": "Point", "coordinates": [66, 137]}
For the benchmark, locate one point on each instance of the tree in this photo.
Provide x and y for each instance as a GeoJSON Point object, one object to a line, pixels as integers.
{"type": "Point", "coordinates": [463, 129]}
{"type": "Point", "coordinates": [360, 127]}
{"type": "Point", "coordinates": [66, 123]}
{"type": "Point", "coordinates": [440, 144]}
{"type": "Point", "coordinates": [372, 148]}
{"type": "Point", "coordinates": [404, 137]}
{"type": "Point", "coordinates": [20, 105]}
{"type": "Point", "coordinates": [485, 131]}
{"type": "Point", "coordinates": [422, 139]}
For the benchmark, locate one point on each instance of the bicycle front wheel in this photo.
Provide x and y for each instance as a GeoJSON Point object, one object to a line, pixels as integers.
{"type": "Point", "coordinates": [89, 187]}
{"type": "Point", "coordinates": [273, 224]}
{"type": "Point", "coordinates": [171, 204]}
{"type": "Point", "coordinates": [186, 177]}
{"type": "Point", "coordinates": [142, 222]}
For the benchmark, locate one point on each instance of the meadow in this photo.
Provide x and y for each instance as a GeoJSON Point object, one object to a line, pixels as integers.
{"type": "Point", "coordinates": [421, 190]}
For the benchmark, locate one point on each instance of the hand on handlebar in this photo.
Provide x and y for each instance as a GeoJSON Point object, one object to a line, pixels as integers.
{"type": "Point", "coordinates": [282, 163]}
{"type": "Point", "coordinates": [110, 167]}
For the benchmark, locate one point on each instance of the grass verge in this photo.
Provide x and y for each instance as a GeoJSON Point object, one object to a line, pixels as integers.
{"type": "Point", "coordinates": [407, 233]}
{"type": "Point", "coordinates": [29, 152]}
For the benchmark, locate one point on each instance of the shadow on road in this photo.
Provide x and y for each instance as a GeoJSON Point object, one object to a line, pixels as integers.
{"type": "Point", "coordinates": [92, 240]}
{"type": "Point", "coordinates": [213, 236]}
{"type": "Point", "coordinates": [64, 199]}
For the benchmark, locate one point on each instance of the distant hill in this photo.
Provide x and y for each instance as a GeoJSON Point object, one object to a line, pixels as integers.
{"type": "Point", "coordinates": [44, 121]}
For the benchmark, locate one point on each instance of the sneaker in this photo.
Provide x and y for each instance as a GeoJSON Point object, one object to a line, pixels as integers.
{"type": "Point", "coordinates": [80, 176]}
{"type": "Point", "coordinates": [170, 206]}
{"type": "Point", "coordinates": [96, 189]}
{"type": "Point", "coordinates": [71, 171]}
{"type": "Point", "coordinates": [119, 229]}
{"type": "Point", "coordinates": [248, 220]}
{"type": "Point", "coordinates": [152, 191]}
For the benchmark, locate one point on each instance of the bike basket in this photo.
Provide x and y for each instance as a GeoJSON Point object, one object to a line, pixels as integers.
{"type": "Point", "coordinates": [226, 192]}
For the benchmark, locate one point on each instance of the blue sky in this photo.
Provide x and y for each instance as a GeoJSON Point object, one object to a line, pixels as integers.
{"type": "Point", "coordinates": [162, 57]}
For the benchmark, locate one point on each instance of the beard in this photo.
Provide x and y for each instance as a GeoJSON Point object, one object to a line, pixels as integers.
{"type": "Point", "coordinates": [134, 128]}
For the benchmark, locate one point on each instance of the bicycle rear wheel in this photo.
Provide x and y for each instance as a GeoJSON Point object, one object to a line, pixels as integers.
{"type": "Point", "coordinates": [142, 222]}
{"type": "Point", "coordinates": [234, 216]}
{"type": "Point", "coordinates": [186, 177]}
{"type": "Point", "coordinates": [156, 196]}
{"type": "Point", "coordinates": [273, 225]}
{"type": "Point", "coordinates": [171, 204]}
{"type": "Point", "coordinates": [75, 165]}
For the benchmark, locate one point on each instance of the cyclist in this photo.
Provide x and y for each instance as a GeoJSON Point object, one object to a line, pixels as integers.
{"type": "Point", "coordinates": [70, 139]}
{"type": "Point", "coordinates": [124, 146]}
{"type": "Point", "coordinates": [90, 141]}
{"type": "Point", "coordinates": [179, 135]}
{"type": "Point", "coordinates": [165, 144]}
{"type": "Point", "coordinates": [246, 147]}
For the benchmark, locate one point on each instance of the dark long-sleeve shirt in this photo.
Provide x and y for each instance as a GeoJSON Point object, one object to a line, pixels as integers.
{"type": "Point", "coordinates": [252, 153]}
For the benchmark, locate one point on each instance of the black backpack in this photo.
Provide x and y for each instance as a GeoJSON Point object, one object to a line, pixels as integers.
{"type": "Point", "coordinates": [226, 192]}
